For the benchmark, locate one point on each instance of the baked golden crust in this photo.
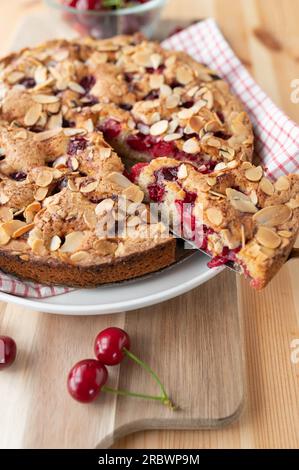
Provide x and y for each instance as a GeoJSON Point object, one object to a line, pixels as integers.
{"type": "Point", "coordinates": [60, 178]}
{"type": "Point", "coordinates": [247, 218]}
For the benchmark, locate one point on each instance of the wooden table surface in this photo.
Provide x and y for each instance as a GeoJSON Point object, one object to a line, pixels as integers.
{"type": "Point", "coordinates": [264, 34]}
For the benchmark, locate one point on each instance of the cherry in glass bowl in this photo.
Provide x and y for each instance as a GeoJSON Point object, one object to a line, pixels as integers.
{"type": "Point", "coordinates": [89, 19]}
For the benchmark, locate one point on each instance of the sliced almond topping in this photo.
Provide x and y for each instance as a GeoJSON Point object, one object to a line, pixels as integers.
{"type": "Point", "coordinates": [72, 242]}
{"type": "Point", "coordinates": [133, 193]}
{"type": "Point", "coordinates": [40, 194]}
{"type": "Point", "coordinates": [165, 90]}
{"type": "Point", "coordinates": [6, 214]}
{"type": "Point", "coordinates": [253, 197]}
{"type": "Point", "coordinates": [212, 180]}
{"type": "Point", "coordinates": [285, 234]}
{"type": "Point", "coordinates": [12, 226]}
{"type": "Point", "coordinates": [31, 210]}
{"type": "Point", "coordinates": [156, 60]}
{"type": "Point", "coordinates": [90, 219]}
{"type": "Point", "coordinates": [243, 206]}
{"type": "Point", "coordinates": [267, 187]}
{"type": "Point", "coordinates": [71, 184]}
{"type": "Point", "coordinates": [105, 247]}
{"type": "Point", "coordinates": [71, 131]}
{"type": "Point", "coordinates": [104, 206]}
{"type": "Point", "coordinates": [213, 142]}
{"type": "Point", "coordinates": [79, 256]}
{"type": "Point", "coordinates": [119, 179]}
{"type": "Point", "coordinates": [246, 165]}
{"type": "Point", "coordinates": [88, 188]}
{"type": "Point", "coordinates": [192, 91]}
{"type": "Point", "coordinates": [40, 74]}
{"type": "Point", "coordinates": [282, 184]}
{"type": "Point", "coordinates": [293, 203]}
{"type": "Point", "coordinates": [33, 114]}
{"type": "Point", "coordinates": [74, 163]}
{"type": "Point", "coordinates": [4, 237]}
{"type": "Point", "coordinates": [172, 137]}
{"type": "Point", "coordinates": [268, 238]}
{"type": "Point", "coordinates": [41, 136]}
{"type": "Point", "coordinates": [133, 221]}
{"type": "Point", "coordinates": [182, 172]}
{"type": "Point", "coordinates": [105, 152]}
{"type": "Point", "coordinates": [220, 166]}
{"type": "Point", "coordinates": [156, 81]}
{"type": "Point", "coordinates": [254, 174]}
{"type": "Point", "coordinates": [55, 121]}
{"type": "Point", "coordinates": [45, 99]}
{"type": "Point", "coordinates": [61, 55]}
{"type": "Point", "coordinates": [214, 215]}
{"type": "Point", "coordinates": [143, 59]}
{"type": "Point", "coordinates": [196, 123]}
{"type": "Point", "coordinates": [184, 75]}
{"type": "Point", "coordinates": [172, 101]}
{"type": "Point", "coordinates": [15, 77]}
{"type": "Point", "coordinates": [22, 134]}
{"type": "Point", "coordinates": [208, 97]}
{"type": "Point", "coordinates": [38, 247]}
{"type": "Point", "coordinates": [273, 216]}
{"type": "Point", "coordinates": [55, 243]}
{"type": "Point", "coordinates": [191, 146]}
{"type": "Point", "coordinates": [20, 231]}
{"type": "Point", "coordinates": [77, 88]}
{"type": "Point", "coordinates": [159, 127]}
{"type": "Point", "coordinates": [44, 178]}
{"type": "Point", "coordinates": [186, 113]}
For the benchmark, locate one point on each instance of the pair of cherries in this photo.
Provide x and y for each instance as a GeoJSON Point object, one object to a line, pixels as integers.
{"type": "Point", "coordinates": [88, 377]}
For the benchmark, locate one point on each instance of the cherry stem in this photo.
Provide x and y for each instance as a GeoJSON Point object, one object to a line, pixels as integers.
{"type": "Point", "coordinates": [126, 393]}
{"type": "Point", "coordinates": [148, 369]}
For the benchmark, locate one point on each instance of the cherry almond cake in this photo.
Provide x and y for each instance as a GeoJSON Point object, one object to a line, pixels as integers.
{"type": "Point", "coordinates": [75, 113]}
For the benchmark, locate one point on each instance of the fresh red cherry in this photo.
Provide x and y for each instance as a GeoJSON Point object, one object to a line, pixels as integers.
{"type": "Point", "coordinates": [8, 351]}
{"type": "Point", "coordinates": [88, 4]}
{"type": "Point", "coordinates": [109, 345]}
{"type": "Point", "coordinates": [85, 380]}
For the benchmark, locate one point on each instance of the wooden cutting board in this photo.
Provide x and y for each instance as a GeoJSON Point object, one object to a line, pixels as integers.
{"type": "Point", "coordinates": [193, 342]}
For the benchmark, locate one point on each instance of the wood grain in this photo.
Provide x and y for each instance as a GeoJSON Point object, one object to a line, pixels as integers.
{"type": "Point", "coordinates": [271, 318]}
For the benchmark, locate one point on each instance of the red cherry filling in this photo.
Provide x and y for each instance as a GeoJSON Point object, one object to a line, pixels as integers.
{"type": "Point", "coordinates": [136, 170]}
{"type": "Point", "coordinates": [28, 82]}
{"type": "Point", "coordinates": [86, 379]}
{"type": "Point", "coordinates": [111, 128]}
{"type": "Point", "coordinates": [76, 144]}
{"type": "Point", "coordinates": [140, 142]}
{"type": "Point", "coordinates": [87, 82]}
{"type": "Point", "coordinates": [18, 176]}
{"type": "Point", "coordinates": [8, 351]}
{"type": "Point", "coordinates": [156, 192]}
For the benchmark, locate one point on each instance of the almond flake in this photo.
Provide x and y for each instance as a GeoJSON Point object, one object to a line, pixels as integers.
{"type": "Point", "coordinates": [156, 60]}
{"type": "Point", "coordinates": [214, 215]}
{"type": "Point", "coordinates": [133, 193]}
{"type": "Point", "coordinates": [55, 243]}
{"type": "Point", "coordinates": [12, 226]}
{"type": "Point", "coordinates": [105, 152]}
{"type": "Point", "coordinates": [186, 113]}
{"type": "Point", "coordinates": [89, 187]}
{"type": "Point", "coordinates": [32, 115]}
{"type": "Point", "coordinates": [41, 136]}
{"type": "Point", "coordinates": [74, 163]}
{"type": "Point", "coordinates": [165, 91]}
{"type": "Point", "coordinates": [211, 180]}
{"type": "Point", "coordinates": [38, 247]}
{"type": "Point", "coordinates": [15, 77]}
{"type": "Point", "coordinates": [40, 74]}
{"type": "Point", "coordinates": [266, 186]}
{"type": "Point", "coordinates": [143, 59]}
{"type": "Point", "coordinates": [184, 75]}
{"type": "Point", "coordinates": [182, 172]}
{"type": "Point", "coordinates": [268, 238]}
{"type": "Point", "coordinates": [159, 128]}
{"type": "Point", "coordinates": [105, 247]}
{"type": "Point", "coordinates": [4, 237]}
{"type": "Point", "coordinates": [192, 91]}
{"type": "Point", "coordinates": [55, 121]}
{"type": "Point", "coordinates": [79, 256]}
{"type": "Point", "coordinates": [191, 146]}
{"type": "Point", "coordinates": [89, 125]}
{"type": "Point", "coordinates": [6, 214]}
{"type": "Point", "coordinates": [31, 210]}
{"type": "Point", "coordinates": [44, 178]}
{"type": "Point", "coordinates": [72, 242]}
{"type": "Point", "coordinates": [45, 99]}
{"type": "Point", "coordinates": [90, 219]}
{"type": "Point", "coordinates": [196, 123]}
{"type": "Point", "coordinates": [61, 55]}
{"type": "Point", "coordinates": [282, 184]}
{"type": "Point", "coordinates": [71, 184]}
{"type": "Point", "coordinates": [104, 206]}
{"type": "Point", "coordinates": [76, 88]}
{"type": "Point", "coordinates": [172, 137]}
{"type": "Point", "coordinates": [273, 216]}
{"type": "Point", "coordinates": [119, 179]}
{"type": "Point", "coordinates": [71, 131]}
{"type": "Point", "coordinates": [172, 101]}
{"type": "Point", "coordinates": [20, 231]}
{"type": "Point", "coordinates": [156, 81]}
{"type": "Point", "coordinates": [285, 234]}
{"type": "Point", "coordinates": [40, 194]}
{"type": "Point", "coordinates": [254, 174]}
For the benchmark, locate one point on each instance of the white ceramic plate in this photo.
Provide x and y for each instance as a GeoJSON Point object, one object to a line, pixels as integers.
{"type": "Point", "coordinates": [126, 296]}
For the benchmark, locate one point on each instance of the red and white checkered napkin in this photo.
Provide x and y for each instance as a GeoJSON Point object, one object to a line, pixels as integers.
{"type": "Point", "coordinates": [277, 137]}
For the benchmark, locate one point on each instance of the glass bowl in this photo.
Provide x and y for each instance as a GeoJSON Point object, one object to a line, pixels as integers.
{"type": "Point", "coordinates": [102, 24]}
